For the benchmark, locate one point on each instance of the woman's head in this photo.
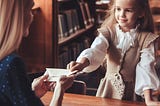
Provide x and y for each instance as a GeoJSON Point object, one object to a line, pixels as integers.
{"type": "Point", "coordinates": [129, 13]}
{"type": "Point", "coordinates": [13, 24]}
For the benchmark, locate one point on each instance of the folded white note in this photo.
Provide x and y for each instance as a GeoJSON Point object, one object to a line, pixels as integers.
{"type": "Point", "coordinates": [55, 73]}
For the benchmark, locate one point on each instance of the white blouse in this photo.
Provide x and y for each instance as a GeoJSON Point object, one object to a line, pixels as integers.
{"type": "Point", "coordinates": [146, 77]}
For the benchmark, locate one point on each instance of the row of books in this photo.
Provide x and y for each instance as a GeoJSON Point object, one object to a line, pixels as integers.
{"type": "Point", "coordinates": [67, 23]}
{"type": "Point", "coordinates": [72, 20]}
{"type": "Point", "coordinates": [86, 13]}
{"type": "Point", "coordinates": [71, 52]}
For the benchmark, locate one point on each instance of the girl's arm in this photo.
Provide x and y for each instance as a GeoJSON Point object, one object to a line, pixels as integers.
{"type": "Point", "coordinates": [146, 77]}
{"type": "Point", "coordinates": [91, 58]}
{"type": "Point", "coordinates": [73, 65]}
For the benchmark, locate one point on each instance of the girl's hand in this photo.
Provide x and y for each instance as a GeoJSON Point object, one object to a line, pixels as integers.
{"type": "Point", "coordinates": [148, 98]}
{"type": "Point", "coordinates": [152, 103]}
{"type": "Point", "coordinates": [73, 65]}
{"type": "Point", "coordinates": [40, 85]}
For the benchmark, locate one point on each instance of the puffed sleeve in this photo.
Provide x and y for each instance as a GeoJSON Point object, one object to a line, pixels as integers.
{"type": "Point", "coordinates": [95, 53]}
{"type": "Point", "coordinates": [146, 77]}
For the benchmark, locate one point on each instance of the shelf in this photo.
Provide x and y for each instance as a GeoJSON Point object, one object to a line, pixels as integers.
{"type": "Point", "coordinates": [64, 40]}
{"type": "Point", "coordinates": [63, 0]}
{"type": "Point", "coordinates": [102, 5]}
{"type": "Point", "coordinates": [44, 35]}
{"type": "Point", "coordinates": [101, 11]}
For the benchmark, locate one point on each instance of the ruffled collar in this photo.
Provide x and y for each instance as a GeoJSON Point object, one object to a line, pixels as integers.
{"type": "Point", "coordinates": [126, 39]}
{"type": "Point", "coordinates": [131, 30]}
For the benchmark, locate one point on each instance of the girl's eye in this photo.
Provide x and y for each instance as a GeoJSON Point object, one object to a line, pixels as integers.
{"type": "Point", "coordinates": [129, 10]}
{"type": "Point", "coordinates": [118, 9]}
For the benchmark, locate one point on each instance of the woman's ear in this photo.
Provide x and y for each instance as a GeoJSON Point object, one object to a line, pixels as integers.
{"type": "Point", "coordinates": [141, 15]}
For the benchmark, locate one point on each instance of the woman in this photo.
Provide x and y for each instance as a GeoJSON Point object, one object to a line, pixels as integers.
{"type": "Point", "coordinates": [15, 89]}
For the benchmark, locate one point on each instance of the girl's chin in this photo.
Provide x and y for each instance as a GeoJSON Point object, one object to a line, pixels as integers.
{"type": "Point", "coordinates": [122, 24]}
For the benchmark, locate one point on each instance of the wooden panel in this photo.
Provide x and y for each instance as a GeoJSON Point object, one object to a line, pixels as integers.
{"type": "Point", "coordinates": [37, 48]}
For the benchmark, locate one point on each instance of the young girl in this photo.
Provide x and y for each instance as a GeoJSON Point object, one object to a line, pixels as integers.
{"type": "Point", "coordinates": [126, 42]}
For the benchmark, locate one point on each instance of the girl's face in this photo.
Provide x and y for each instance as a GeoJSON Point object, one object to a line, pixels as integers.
{"type": "Point", "coordinates": [126, 14]}
{"type": "Point", "coordinates": [28, 17]}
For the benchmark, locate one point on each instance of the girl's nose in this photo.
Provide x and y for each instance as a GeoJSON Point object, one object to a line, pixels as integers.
{"type": "Point", "coordinates": [122, 13]}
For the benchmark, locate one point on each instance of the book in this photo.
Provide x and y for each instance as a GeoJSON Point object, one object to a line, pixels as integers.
{"type": "Point", "coordinates": [63, 57]}
{"type": "Point", "coordinates": [68, 14]}
{"type": "Point", "coordinates": [62, 26]}
{"type": "Point", "coordinates": [75, 20]}
{"type": "Point", "coordinates": [84, 13]}
{"type": "Point", "coordinates": [90, 18]}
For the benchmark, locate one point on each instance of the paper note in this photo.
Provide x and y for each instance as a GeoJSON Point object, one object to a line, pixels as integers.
{"type": "Point", "coordinates": [55, 73]}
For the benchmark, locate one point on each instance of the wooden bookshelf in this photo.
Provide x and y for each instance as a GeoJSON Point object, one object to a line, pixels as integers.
{"type": "Point", "coordinates": [101, 11]}
{"type": "Point", "coordinates": [42, 47]}
{"type": "Point", "coordinates": [71, 45]}
{"type": "Point", "coordinates": [39, 49]}
{"type": "Point", "coordinates": [64, 40]}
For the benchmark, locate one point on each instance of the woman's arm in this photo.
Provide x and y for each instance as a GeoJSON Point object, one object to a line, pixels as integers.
{"type": "Point", "coordinates": [61, 85]}
{"type": "Point", "coordinates": [58, 96]}
{"type": "Point", "coordinates": [148, 98]}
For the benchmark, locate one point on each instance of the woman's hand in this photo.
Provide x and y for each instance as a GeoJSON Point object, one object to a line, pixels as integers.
{"type": "Point", "coordinates": [65, 82]}
{"type": "Point", "coordinates": [40, 85]}
{"type": "Point", "coordinates": [62, 84]}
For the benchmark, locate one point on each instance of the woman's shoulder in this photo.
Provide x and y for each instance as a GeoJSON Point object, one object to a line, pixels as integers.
{"type": "Point", "coordinates": [11, 57]}
{"type": "Point", "coordinates": [12, 60]}
{"type": "Point", "coordinates": [9, 66]}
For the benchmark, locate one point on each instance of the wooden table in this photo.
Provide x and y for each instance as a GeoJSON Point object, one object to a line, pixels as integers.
{"type": "Point", "coordinates": [85, 100]}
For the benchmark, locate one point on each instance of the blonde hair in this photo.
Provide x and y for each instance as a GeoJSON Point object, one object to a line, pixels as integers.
{"type": "Point", "coordinates": [11, 26]}
{"type": "Point", "coordinates": [146, 23]}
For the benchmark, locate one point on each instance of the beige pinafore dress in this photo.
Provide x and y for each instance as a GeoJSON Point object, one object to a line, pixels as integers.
{"type": "Point", "coordinates": [119, 80]}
